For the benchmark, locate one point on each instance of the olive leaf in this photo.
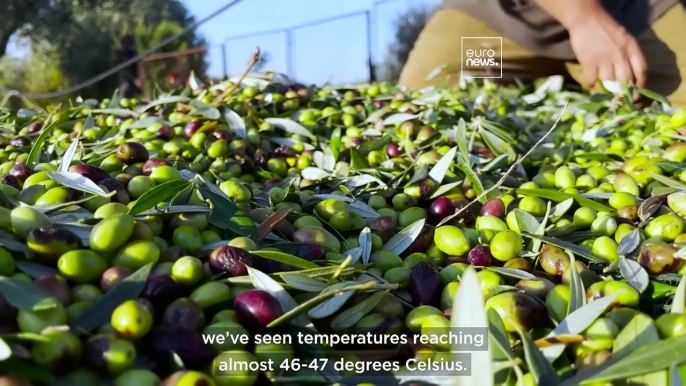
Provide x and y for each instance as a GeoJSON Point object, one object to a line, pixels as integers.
{"type": "Point", "coordinates": [285, 258]}
{"type": "Point", "coordinates": [646, 359]}
{"type": "Point", "coordinates": [304, 283]}
{"type": "Point", "coordinates": [514, 273]}
{"type": "Point", "coordinates": [290, 142]}
{"type": "Point", "coordinates": [227, 213]}
{"type": "Point", "coordinates": [526, 222]}
{"type": "Point", "coordinates": [262, 281]}
{"type": "Point", "coordinates": [461, 139]}
{"type": "Point", "coordinates": [77, 182]}
{"type": "Point", "coordinates": [34, 269]}
{"type": "Point", "coordinates": [399, 118]}
{"type": "Point", "coordinates": [24, 296]}
{"type": "Point", "coordinates": [290, 126]}
{"type": "Point", "coordinates": [634, 274]}
{"type": "Point", "coordinates": [629, 242]}
{"type": "Point", "coordinates": [577, 250]}
{"type": "Point", "coordinates": [560, 209]}
{"type": "Point", "coordinates": [157, 195]}
{"type": "Point", "coordinates": [469, 312]}
{"type": "Point", "coordinates": [402, 240]}
{"type": "Point", "coordinates": [678, 305]}
{"type": "Point", "coordinates": [146, 122]}
{"type": "Point", "coordinates": [473, 179]}
{"type": "Point", "coordinates": [443, 189]}
{"type": "Point", "coordinates": [69, 154]}
{"type": "Point", "coordinates": [557, 196]}
{"type": "Point", "coordinates": [669, 182]}
{"type": "Point", "coordinates": [365, 241]}
{"type": "Point", "coordinates": [5, 350]}
{"type": "Point", "coordinates": [576, 322]}
{"type": "Point", "coordinates": [315, 174]}
{"type": "Point", "coordinates": [541, 370]}
{"type": "Point", "coordinates": [332, 305]}
{"type": "Point", "coordinates": [35, 152]}
{"type": "Point", "coordinates": [271, 222]}
{"type": "Point", "coordinates": [165, 100]}
{"type": "Point", "coordinates": [577, 298]}
{"type": "Point", "coordinates": [352, 315]}
{"type": "Point", "coordinates": [439, 170]}
{"type": "Point", "coordinates": [123, 113]}
{"type": "Point", "coordinates": [648, 207]}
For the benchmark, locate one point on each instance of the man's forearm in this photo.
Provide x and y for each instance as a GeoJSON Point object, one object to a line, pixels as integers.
{"type": "Point", "coordinates": [571, 13]}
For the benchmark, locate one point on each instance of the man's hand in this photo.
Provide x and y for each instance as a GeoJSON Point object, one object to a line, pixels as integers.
{"type": "Point", "coordinates": [604, 48]}
{"type": "Point", "coordinates": [606, 51]}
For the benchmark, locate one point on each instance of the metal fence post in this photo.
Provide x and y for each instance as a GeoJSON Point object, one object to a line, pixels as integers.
{"type": "Point", "coordinates": [290, 66]}
{"type": "Point", "coordinates": [224, 64]}
{"type": "Point", "coordinates": [372, 74]}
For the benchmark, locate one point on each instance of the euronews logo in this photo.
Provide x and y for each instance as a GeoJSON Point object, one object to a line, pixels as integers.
{"type": "Point", "coordinates": [481, 57]}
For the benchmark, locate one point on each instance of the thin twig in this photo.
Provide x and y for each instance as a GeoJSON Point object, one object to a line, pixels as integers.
{"type": "Point", "coordinates": [508, 172]}
{"type": "Point", "coordinates": [253, 60]}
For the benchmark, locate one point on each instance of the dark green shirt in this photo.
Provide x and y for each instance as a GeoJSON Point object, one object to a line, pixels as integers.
{"type": "Point", "coordinates": [530, 26]}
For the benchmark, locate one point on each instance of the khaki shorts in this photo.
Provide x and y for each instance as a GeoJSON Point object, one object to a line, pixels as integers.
{"type": "Point", "coordinates": [439, 44]}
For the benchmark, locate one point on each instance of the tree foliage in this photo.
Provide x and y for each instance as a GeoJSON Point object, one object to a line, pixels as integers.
{"type": "Point", "coordinates": [408, 26]}
{"type": "Point", "coordinates": [81, 36]}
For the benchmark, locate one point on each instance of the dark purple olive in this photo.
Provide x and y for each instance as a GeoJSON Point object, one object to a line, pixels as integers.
{"type": "Point", "coordinates": [393, 150]}
{"type": "Point", "coordinates": [187, 344]}
{"type": "Point", "coordinates": [284, 152]}
{"type": "Point", "coordinates": [324, 189]}
{"type": "Point", "coordinates": [311, 252]}
{"type": "Point", "coordinates": [184, 313]}
{"type": "Point", "coordinates": [485, 152]}
{"type": "Point", "coordinates": [514, 204]}
{"type": "Point", "coordinates": [35, 127]}
{"type": "Point", "coordinates": [192, 128]}
{"type": "Point", "coordinates": [379, 104]}
{"type": "Point", "coordinates": [161, 291]}
{"type": "Point", "coordinates": [53, 242]}
{"type": "Point", "coordinates": [22, 172]}
{"type": "Point", "coordinates": [246, 164]}
{"type": "Point", "coordinates": [440, 209]}
{"type": "Point", "coordinates": [422, 242]}
{"type": "Point", "coordinates": [55, 286]}
{"type": "Point", "coordinates": [112, 184]}
{"type": "Point", "coordinates": [384, 227]}
{"type": "Point", "coordinates": [493, 207]}
{"type": "Point", "coordinates": [223, 134]}
{"type": "Point", "coordinates": [470, 214]}
{"type": "Point", "coordinates": [153, 163]}
{"type": "Point", "coordinates": [480, 256]}
{"type": "Point", "coordinates": [165, 132]}
{"type": "Point", "coordinates": [91, 172]}
{"type": "Point", "coordinates": [261, 161]}
{"type": "Point", "coordinates": [255, 309]}
{"type": "Point", "coordinates": [270, 183]}
{"type": "Point", "coordinates": [132, 152]}
{"type": "Point", "coordinates": [20, 141]}
{"type": "Point", "coordinates": [231, 260]}
{"type": "Point", "coordinates": [425, 285]}
{"type": "Point", "coordinates": [7, 311]}
{"type": "Point", "coordinates": [12, 181]}
{"type": "Point", "coordinates": [113, 276]}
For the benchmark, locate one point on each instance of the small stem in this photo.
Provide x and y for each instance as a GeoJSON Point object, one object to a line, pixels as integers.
{"type": "Point", "coordinates": [253, 60]}
{"type": "Point", "coordinates": [508, 172]}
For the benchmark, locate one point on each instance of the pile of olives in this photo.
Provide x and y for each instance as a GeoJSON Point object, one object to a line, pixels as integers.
{"type": "Point", "coordinates": [130, 230]}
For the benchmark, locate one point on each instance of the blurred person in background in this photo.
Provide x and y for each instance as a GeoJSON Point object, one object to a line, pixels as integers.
{"type": "Point", "coordinates": [129, 76]}
{"type": "Point", "coordinates": [642, 41]}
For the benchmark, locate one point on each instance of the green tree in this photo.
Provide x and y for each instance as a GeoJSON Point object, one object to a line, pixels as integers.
{"type": "Point", "coordinates": [81, 36]}
{"type": "Point", "coordinates": [408, 26]}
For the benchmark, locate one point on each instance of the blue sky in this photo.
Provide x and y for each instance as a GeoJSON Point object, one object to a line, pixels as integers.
{"type": "Point", "coordinates": [333, 52]}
